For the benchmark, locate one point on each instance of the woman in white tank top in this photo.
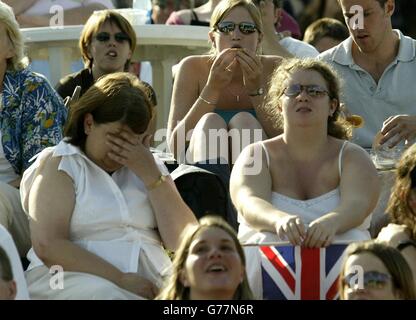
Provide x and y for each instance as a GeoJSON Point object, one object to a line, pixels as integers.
{"type": "Point", "coordinates": [309, 185]}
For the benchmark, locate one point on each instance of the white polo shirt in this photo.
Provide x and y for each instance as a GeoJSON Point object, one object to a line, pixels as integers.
{"type": "Point", "coordinates": [299, 48]}
{"type": "Point", "coordinates": [394, 94]}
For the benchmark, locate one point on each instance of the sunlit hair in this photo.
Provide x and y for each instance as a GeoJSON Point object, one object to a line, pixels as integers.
{"type": "Point", "coordinates": [118, 96]}
{"type": "Point", "coordinates": [396, 264]}
{"type": "Point", "coordinates": [225, 6]}
{"type": "Point", "coordinates": [398, 207]}
{"type": "Point", "coordinates": [338, 127]}
{"type": "Point", "coordinates": [380, 2]}
{"type": "Point", "coordinates": [19, 61]}
{"type": "Point", "coordinates": [6, 272]}
{"type": "Point", "coordinates": [94, 23]}
{"type": "Point", "coordinates": [174, 289]}
{"type": "Point", "coordinates": [325, 27]}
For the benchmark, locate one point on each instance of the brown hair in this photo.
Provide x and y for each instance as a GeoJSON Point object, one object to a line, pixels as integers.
{"type": "Point", "coordinates": [396, 264]}
{"type": "Point", "coordinates": [325, 27]}
{"type": "Point", "coordinates": [338, 127]}
{"type": "Point", "coordinates": [94, 23]}
{"type": "Point", "coordinates": [398, 207]}
{"type": "Point", "coordinates": [175, 290]}
{"type": "Point", "coordinates": [118, 96]}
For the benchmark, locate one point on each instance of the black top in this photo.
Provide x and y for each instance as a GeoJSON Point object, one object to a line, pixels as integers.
{"type": "Point", "coordinates": [66, 85]}
{"type": "Point", "coordinates": [84, 78]}
{"type": "Point", "coordinates": [196, 22]}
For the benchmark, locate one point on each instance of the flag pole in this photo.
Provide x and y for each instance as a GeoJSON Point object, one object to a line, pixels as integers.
{"type": "Point", "coordinates": [287, 243]}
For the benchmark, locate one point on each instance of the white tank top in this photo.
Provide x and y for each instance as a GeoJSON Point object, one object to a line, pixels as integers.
{"type": "Point", "coordinates": [307, 210]}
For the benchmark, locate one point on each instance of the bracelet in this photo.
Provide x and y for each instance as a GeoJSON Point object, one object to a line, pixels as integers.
{"type": "Point", "coordinates": [404, 244]}
{"type": "Point", "coordinates": [206, 101]}
{"type": "Point", "coordinates": [157, 183]}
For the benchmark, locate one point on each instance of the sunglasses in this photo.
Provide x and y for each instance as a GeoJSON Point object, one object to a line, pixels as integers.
{"type": "Point", "coordinates": [312, 90]}
{"type": "Point", "coordinates": [227, 27]}
{"type": "Point", "coordinates": [120, 37]}
{"type": "Point", "coordinates": [372, 280]}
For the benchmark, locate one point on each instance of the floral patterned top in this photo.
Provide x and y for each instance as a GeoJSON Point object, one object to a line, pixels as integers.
{"type": "Point", "coordinates": [32, 117]}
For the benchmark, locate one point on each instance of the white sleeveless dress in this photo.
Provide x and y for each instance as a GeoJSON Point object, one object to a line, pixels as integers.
{"type": "Point", "coordinates": [307, 210]}
{"type": "Point", "coordinates": [112, 218]}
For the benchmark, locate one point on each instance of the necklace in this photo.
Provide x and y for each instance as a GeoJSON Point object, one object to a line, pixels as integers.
{"type": "Point", "coordinates": [237, 96]}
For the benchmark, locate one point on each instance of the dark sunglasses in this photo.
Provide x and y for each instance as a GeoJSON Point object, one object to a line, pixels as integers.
{"type": "Point", "coordinates": [372, 280]}
{"type": "Point", "coordinates": [227, 27]}
{"type": "Point", "coordinates": [312, 90]}
{"type": "Point", "coordinates": [120, 37]}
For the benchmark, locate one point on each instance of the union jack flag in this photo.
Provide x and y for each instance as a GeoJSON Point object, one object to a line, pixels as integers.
{"type": "Point", "coordinates": [297, 273]}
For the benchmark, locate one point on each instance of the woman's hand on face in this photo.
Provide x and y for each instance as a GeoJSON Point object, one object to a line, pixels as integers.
{"type": "Point", "coordinates": [321, 232]}
{"type": "Point", "coordinates": [292, 228]}
{"type": "Point", "coordinates": [138, 285]}
{"type": "Point", "coordinates": [252, 69]}
{"type": "Point", "coordinates": [132, 150]}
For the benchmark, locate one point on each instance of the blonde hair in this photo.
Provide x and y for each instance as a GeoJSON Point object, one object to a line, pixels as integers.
{"type": "Point", "coordinates": [338, 127]}
{"type": "Point", "coordinates": [94, 23]}
{"type": "Point", "coordinates": [225, 6]}
{"type": "Point", "coordinates": [398, 206]}
{"type": "Point", "coordinates": [19, 60]}
{"type": "Point", "coordinates": [175, 290]}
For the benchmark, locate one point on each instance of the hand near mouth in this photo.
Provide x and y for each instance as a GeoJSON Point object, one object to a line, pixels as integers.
{"type": "Point", "coordinates": [222, 69]}
{"type": "Point", "coordinates": [252, 68]}
{"type": "Point", "coordinates": [230, 67]}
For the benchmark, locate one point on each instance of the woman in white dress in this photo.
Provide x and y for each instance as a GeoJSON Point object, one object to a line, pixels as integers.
{"type": "Point", "coordinates": [102, 208]}
{"type": "Point", "coordinates": [309, 185]}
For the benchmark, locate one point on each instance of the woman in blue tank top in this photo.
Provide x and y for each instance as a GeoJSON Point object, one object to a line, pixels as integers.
{"type": "Point", "coordinates": [217, 100]}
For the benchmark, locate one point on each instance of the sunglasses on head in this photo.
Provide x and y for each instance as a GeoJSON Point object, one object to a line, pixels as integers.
{"type": "Point", "coordinates": [227, 27]}
{"type": "Point", "coordinates": [312, 90]}
{"type": "Point", "coordinates": [372, 280]}
{"type": "Point", "coordinates": [120, 37]}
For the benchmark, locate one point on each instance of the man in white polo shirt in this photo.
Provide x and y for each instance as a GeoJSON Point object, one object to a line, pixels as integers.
{"type": "Point", "coordinates": [378, 67]}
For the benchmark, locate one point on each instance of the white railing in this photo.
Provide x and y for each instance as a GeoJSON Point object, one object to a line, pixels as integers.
{"type": "Point", "coordinates": [162, 45]}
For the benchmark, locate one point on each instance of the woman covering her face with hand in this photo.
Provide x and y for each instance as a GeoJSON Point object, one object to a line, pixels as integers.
{"type": "Point", "coordinates": [101, 205]}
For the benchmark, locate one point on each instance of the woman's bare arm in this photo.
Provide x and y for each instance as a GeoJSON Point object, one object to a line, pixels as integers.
{"type": "Point", "coordinates": [251, 189]}
{"type": "Point", "coordinates": [359, 188]}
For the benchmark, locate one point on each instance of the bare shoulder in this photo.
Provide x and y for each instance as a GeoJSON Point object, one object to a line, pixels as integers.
{"type": "Point", "coordinates": [356, 150]}
{"type": "Point", "coordinates": [356, 156]}
{"type": "Point", "coordinates": [195, 66]}
{"type": "Point", "coordinates": [49, 169]}
{"type": "Point", "coordinates": [197, 61]}
{"type": "Point", "coordinates": [275, 147]}
{"type": "Point", "coordinates": [271, 61]}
